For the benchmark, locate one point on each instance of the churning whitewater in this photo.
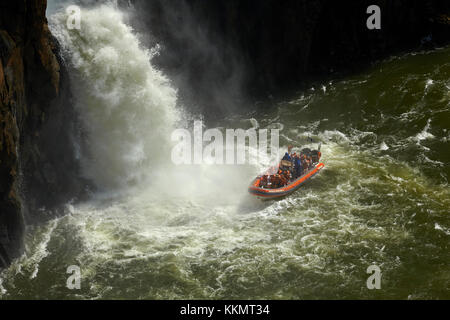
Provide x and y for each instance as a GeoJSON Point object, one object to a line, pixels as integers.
{"type": "Point", "coordinates": [157, 231]}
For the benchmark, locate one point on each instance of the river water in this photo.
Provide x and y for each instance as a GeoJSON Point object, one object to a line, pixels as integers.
{"type": "Point", "coordinates": [159, 231]}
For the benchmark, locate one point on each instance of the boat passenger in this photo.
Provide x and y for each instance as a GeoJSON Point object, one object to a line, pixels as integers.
{"type": "Point", "coordinates": [283, 180]}
{"type": "Point", "coordinates": [274, 181]}
{"type": "Point", "coordinates": [264, 181]}
{"type": "Point", "coordinates": [297, 167]}
{"type": "Point", "coordinates": [287, 176]}
{"type": "Point", "coordinates": [287, 157]}
{"type": "Point", "coordinates": [304, 163]}
{"type": "Point", "coordinates": [278, 182]}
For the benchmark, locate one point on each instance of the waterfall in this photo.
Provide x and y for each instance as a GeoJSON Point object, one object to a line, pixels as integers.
{"type": "Point", "coordinates": [126, 105]}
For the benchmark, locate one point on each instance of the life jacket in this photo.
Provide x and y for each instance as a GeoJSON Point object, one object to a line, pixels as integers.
{"type": "Point", "coordinates": [283, 181]}
{"type": "Point", "coordinates": [263, 181]}
{"type": "Point", "coordinates": [275, 181]}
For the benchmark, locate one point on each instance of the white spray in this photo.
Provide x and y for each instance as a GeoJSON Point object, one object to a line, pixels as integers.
{"type": "Point", "coordinates": [127, 106]}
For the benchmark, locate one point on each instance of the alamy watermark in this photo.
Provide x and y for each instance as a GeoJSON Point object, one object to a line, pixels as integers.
{"type": "Point", "coordinates": [374, 20]}
{"type": "Point", "coordinates": [374, 281]}
{"type": "Point", "coordinates": [73, 17]}
{"type": "Point", "coordinates": [73, 281]}
{"type": "Point", "coordinates": [210, 147]}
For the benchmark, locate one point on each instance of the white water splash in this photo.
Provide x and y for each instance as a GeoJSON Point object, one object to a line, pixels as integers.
{"type": "Point", "coordinates": [424, 134]}
{"type": "Point", "coordinates": [41, 251]}
{"type": "Point", "coordinates": [2, 289]}
{"type": "Point", "coordinates": [384, 146]}
{"type": "Point", "coordinates": [438, 227]}
{"type": "Point", "coordinates": [126, 105]}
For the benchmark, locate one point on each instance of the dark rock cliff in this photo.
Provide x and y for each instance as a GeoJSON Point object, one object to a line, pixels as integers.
{"type": "Point", "coordinates": [37, 161]}
{"type": "Point", "coordinates": [213, 48]}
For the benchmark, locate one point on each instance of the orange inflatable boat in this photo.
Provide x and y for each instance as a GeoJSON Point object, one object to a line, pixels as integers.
{"type": "Point", "coordinates": [257, 190]}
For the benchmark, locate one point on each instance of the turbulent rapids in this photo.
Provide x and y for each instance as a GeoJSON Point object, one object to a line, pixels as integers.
{"type": "Point", "coordinates": [153, 230]}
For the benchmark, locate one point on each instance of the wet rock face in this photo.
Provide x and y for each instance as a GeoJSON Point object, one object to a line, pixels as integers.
{"type": "Point", "coordinates": [12, 105]}
{"type": "Point", "coordinates": [36, 123]}
{"type": "Point", "coordinates": [271, 45]}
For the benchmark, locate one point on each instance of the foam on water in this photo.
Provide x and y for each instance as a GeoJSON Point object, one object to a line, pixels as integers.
{"type": "Point", "coordinates": [384, 146]}
{"type": "Point", "coordinates": [424, 134]}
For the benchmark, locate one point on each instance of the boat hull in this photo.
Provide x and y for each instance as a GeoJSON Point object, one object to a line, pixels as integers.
{"type": "Point", "coordinates": [255, 190]}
